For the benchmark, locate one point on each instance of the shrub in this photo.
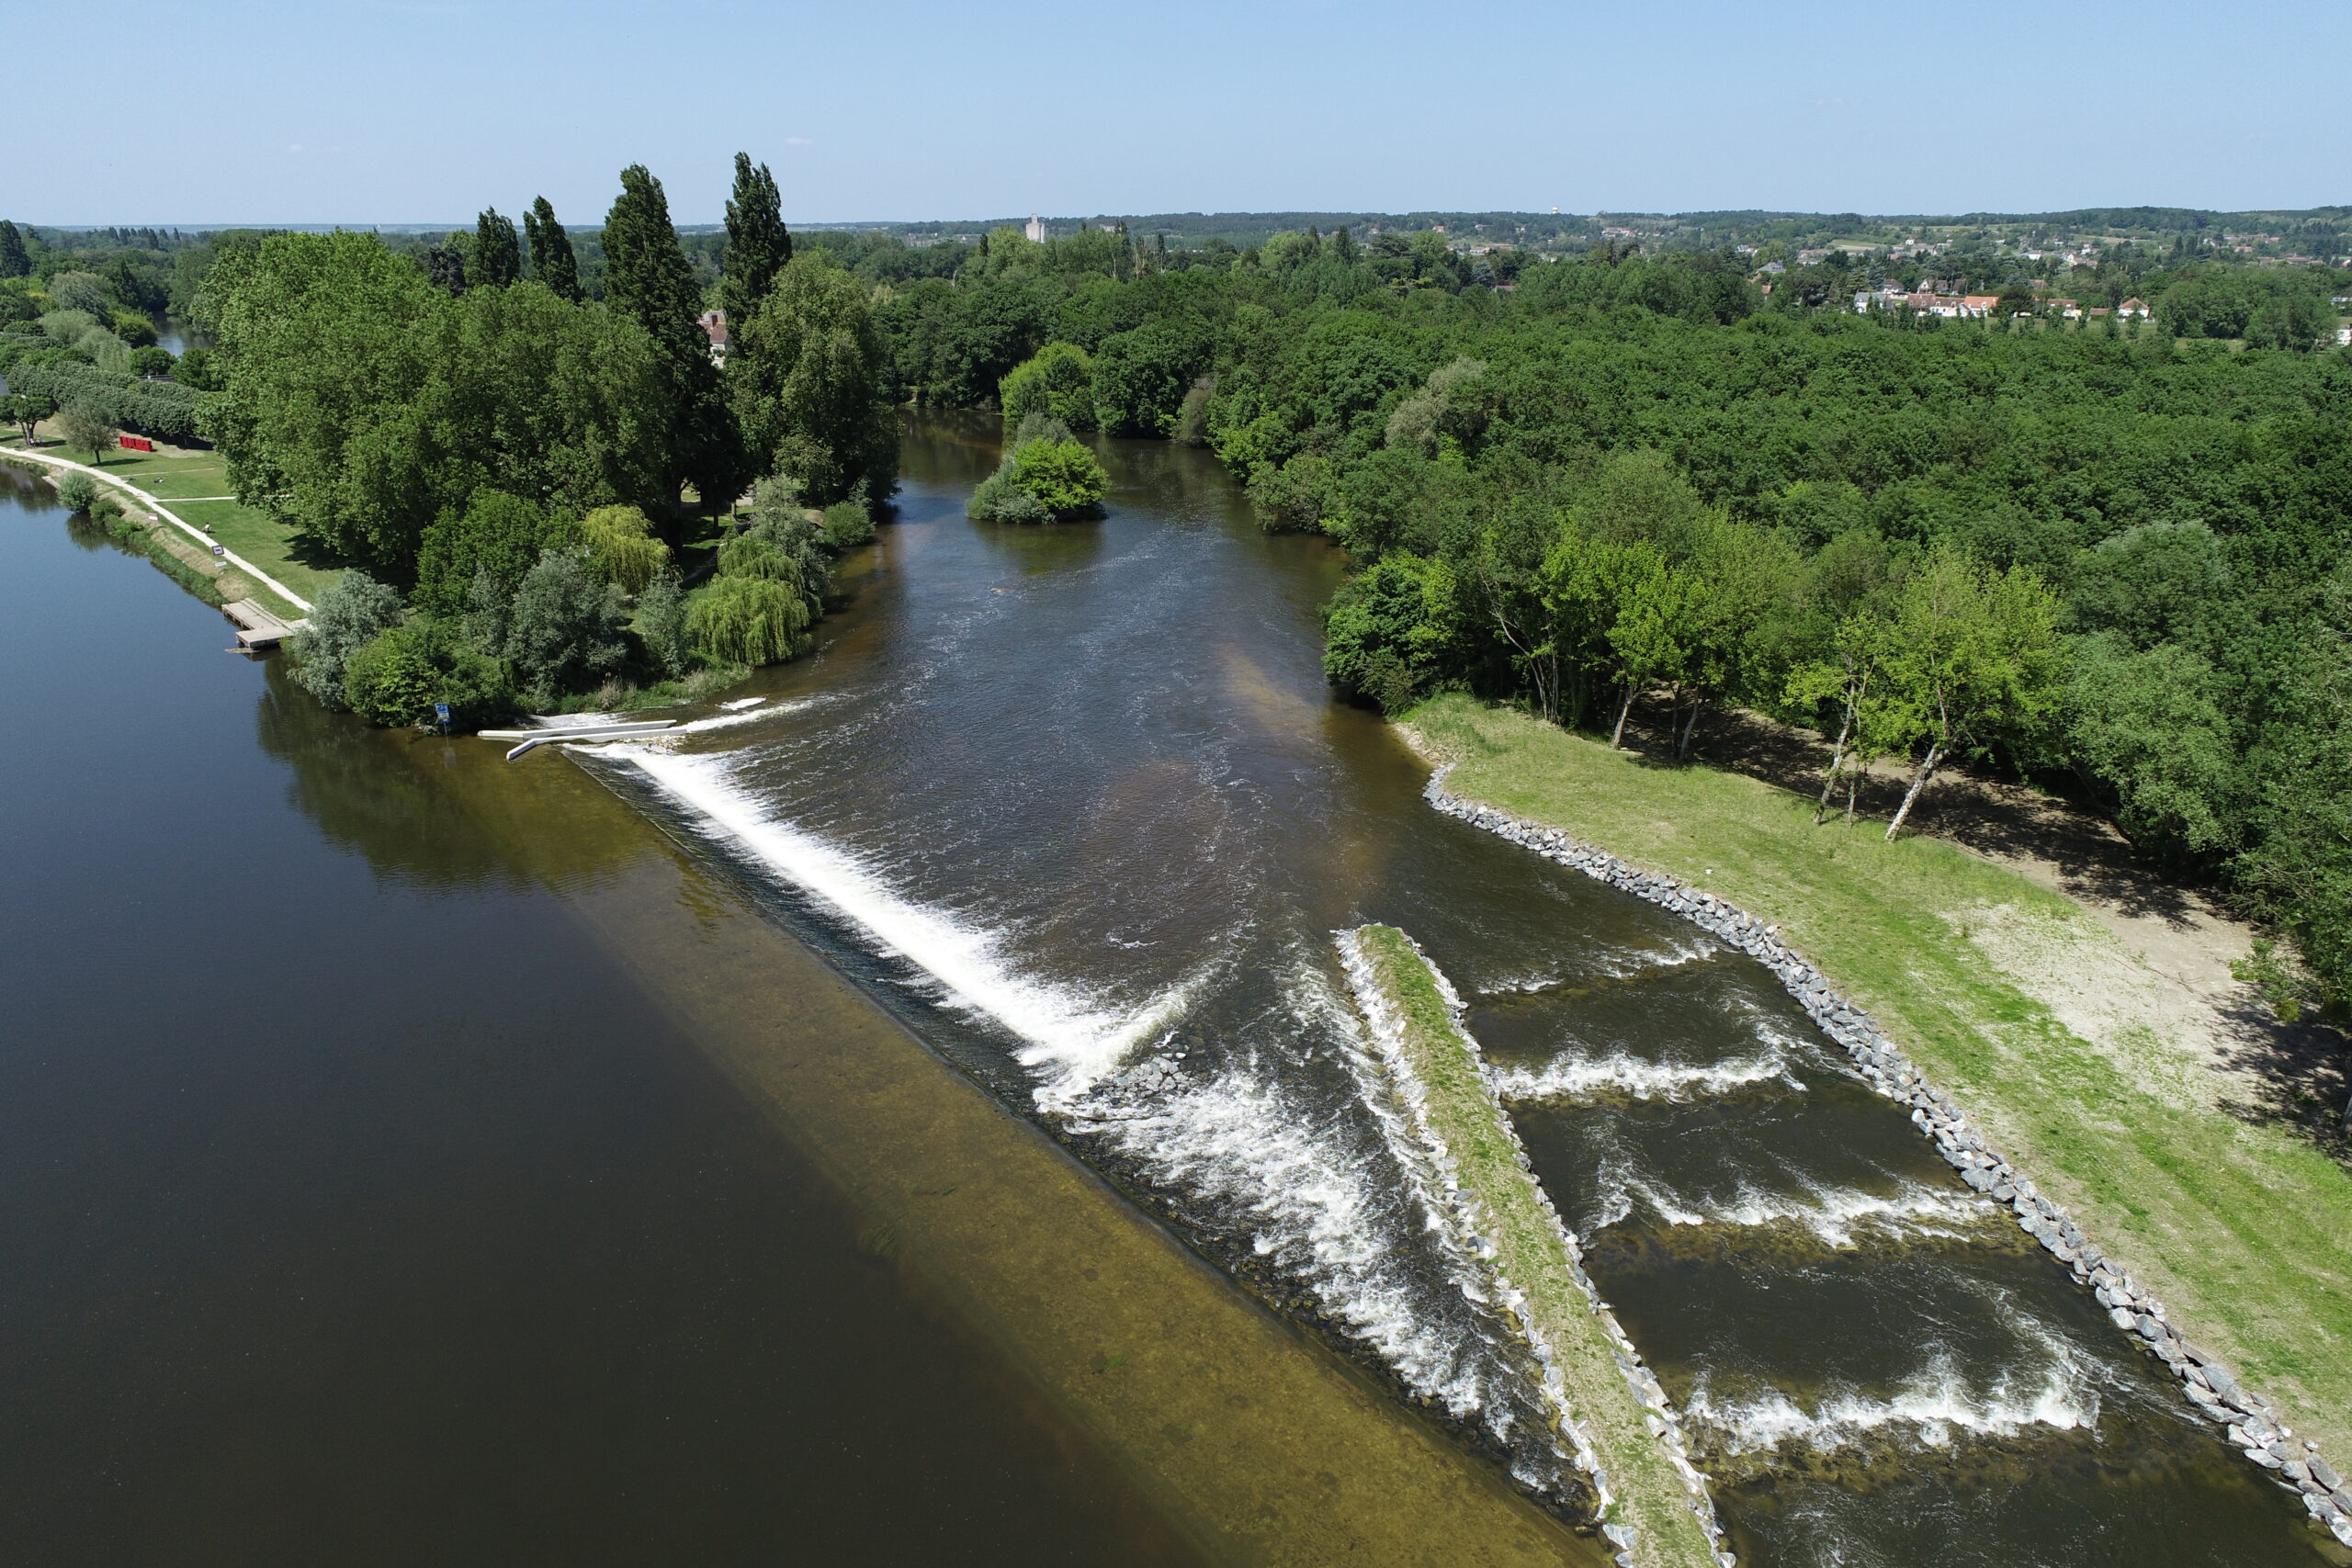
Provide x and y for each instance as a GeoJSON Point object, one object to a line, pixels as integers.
{"type": "Point", "coordinates": [133, 328]}
{"type": "Point", "coordinates": [661, 624]}
{"type": "Point", "coordinates": [621, 541]}
{"type": "Point", "coordinates": [401, 672]}
{"type": "Point", "coordinates": [747, 620]}
{"type": "Point", "coordinates": [847, 522]}
{"type": "Point", "coordinates": [346, 617]}
{"type": "Point", "coordinates": [999, 499]}
{"type": "Point", "coordinates": [390, 681]}
{"type": "Point", "coordinates": [77, 492]}
{"type": "Point", "coordinates": [1062, 475]}
{"type": "Point", "coordinates": [1045, 479]}
{"type": "Point", "coordinates": [145, 362]}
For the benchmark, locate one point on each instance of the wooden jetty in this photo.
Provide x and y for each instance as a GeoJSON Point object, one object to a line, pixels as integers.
{"type": "Point", "coordinates": [258, 627]}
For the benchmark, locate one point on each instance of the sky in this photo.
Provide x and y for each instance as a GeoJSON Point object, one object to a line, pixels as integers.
{"type": "Point", "coordinates": [416, 111]}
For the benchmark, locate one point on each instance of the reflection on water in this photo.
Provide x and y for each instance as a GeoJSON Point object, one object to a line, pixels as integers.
{"type": "Point", "coordinates": [361, 1211]}
{"type": "Point", "coordinates": [1076, 806]}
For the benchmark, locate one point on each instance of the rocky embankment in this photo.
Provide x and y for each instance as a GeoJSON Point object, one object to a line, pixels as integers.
{"type": "Point", "coordinates": [2251, 1420]}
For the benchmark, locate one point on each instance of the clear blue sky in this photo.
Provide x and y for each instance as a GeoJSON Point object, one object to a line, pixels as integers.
{"type": "Point", "coordinates": [425, 110]}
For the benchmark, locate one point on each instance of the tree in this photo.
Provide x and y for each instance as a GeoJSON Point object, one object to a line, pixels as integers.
{"type": "Point", "coordinates": [648, 279]}
{"type": "Point", "coordinates": [87, 427]}
{"type": "Point", "coordinates": [661, 624]}
{"type": "Point", "coordinates": [1845, 676]}
{"type": "Point", "coordinates": [1973, 658]}
{"type": "Point", "coordinates": [758, 244]}
{"type": "Point", "coordinates": [1058, 381]}
{"type": "Point", "coordinates": [747, 620]}
{"type": "Point", "coordinates": [498, 533]}
{"type": "Point", "coordinates": [359, 404]}
{"type": "Point", "coordinates": [620, 541]}
{"type": "Point", "coordinates": [807, 376]}
{"type": "Point", "coordinates": [565, 630]}
{"type": "Point", "coordinates": [85, 291]}
{"type": "Point", "coordinates": [552, 262]}
{"type": "Point", "coordinates": [445, 266]}
{"type": "Point", "coordinates": [498, 255]}
{"type": "Point", "coordinates": [1141, 376]}
{"type": "Point", "coordinates": [27, 410]}
{"type": "Point", "coordinates": [14, 260]}
{"type": "Point", "coordinates": [346, 618]}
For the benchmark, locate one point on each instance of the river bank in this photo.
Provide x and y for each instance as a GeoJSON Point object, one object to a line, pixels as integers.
{"type": "Point", "coordinates": [2241, 1226]}
{"type": "Point", "coordinates": [193, 484]}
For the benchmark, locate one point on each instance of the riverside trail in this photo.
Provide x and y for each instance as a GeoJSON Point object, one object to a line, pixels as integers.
{"type": "Point", "coordinates": [1076, 804]}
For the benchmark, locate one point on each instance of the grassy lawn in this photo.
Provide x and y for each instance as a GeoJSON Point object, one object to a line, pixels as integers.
{"type": "Point", "coordinates": [2242, 1228]}
{"type": "Point", "coordinates": [1462, 1109]}
{"type": "Point", "coordinates": [173, 476]}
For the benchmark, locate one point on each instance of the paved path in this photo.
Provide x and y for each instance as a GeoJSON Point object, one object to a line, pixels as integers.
{"type": "Point", "coordinates": [160, 510]}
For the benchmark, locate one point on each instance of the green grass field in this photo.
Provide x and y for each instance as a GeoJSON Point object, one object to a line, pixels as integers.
{"type": "Point", "coordinates": [174, 477]}
{"type": "Point", "coordinates": [2242, 1227]}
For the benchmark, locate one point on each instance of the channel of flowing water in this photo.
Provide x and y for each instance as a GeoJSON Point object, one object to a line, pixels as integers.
{"type": "Point", "coordinates": [1075, 802]}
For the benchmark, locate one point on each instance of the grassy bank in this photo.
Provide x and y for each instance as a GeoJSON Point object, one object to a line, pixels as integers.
{"type": "Point", "coordinates": [195, 485]}
{"type": "Point", "coordinates": [2239, 1224]}
{"type": "Point", "coordinates": [1463, 1112]}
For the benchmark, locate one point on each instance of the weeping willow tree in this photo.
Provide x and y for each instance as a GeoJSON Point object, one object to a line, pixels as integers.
{"type": "Point", "coordinates": [621, 539]}
{"type": "Point", "coordinates": [747, 620]}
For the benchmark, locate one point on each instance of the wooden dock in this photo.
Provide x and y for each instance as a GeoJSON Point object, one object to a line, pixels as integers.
{"type": "Point", "coordinates": [256, 626]}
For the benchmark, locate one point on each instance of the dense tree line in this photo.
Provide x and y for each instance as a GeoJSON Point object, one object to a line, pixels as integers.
{"type": "Point", "coordinates": [512, 466]}
{"type": "Point", "coordinates": [2115, 563]}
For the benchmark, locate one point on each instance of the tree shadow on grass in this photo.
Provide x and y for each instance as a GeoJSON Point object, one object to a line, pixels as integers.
{"type": "Point", "coordinates": [2291, 1076]}
{"type": "Point", "coordinates": [1992, 816]}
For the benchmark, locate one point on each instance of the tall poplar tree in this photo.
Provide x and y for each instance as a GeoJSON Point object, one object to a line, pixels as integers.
{"type": "Point", "coordinates": [498, 255]}
{"type": "Point", "coordinates": [14, 261]}
{"type": "Point", "coordinates": [552, 262]}
{"type": "Point", "coordinates": [649, 280]}
{"type": "Point", "coordinates": [758, 244]}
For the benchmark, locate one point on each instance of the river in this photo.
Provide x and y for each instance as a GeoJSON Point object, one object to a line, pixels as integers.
{"type": "Point", "coordinates": [387, 1157]}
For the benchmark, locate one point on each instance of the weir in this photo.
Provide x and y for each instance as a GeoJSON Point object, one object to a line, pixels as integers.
{"type": "Point", "coordinates": [1611, 1409]}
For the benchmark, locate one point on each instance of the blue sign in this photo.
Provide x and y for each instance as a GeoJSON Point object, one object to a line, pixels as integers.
{"type": "Point", "coordinates": [441, 711]}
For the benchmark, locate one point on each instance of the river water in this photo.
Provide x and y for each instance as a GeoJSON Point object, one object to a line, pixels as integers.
{"type": "Point", "coordinates": [1076, 803]}
{"type": "Point", "coordinates": [413, 1157]}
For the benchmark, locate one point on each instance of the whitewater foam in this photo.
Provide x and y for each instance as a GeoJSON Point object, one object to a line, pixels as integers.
{"type": "Point", "coordinates": [1070, 1041]}
{"type": "Point", "coordinates": [1936, 1407]}
{"type": "Point", "coordinates": [1573, 1077]}
{"type": "Point", "coordinates": [1835, 1214]}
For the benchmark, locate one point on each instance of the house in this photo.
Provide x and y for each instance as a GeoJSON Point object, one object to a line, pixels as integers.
{"type": "Point", "coordinates": [714, 325]}
{"type": "Point", "coordinates": [1812, 258]}
{"type": "Point", "coordinates": [2343, 337]}
{"type": "Point", "coordinates": [2133, 307]}
{"type": "Point", "coordinates": [2070, 308]}
{"type": "Point", "coordinates": [1978, 304]}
